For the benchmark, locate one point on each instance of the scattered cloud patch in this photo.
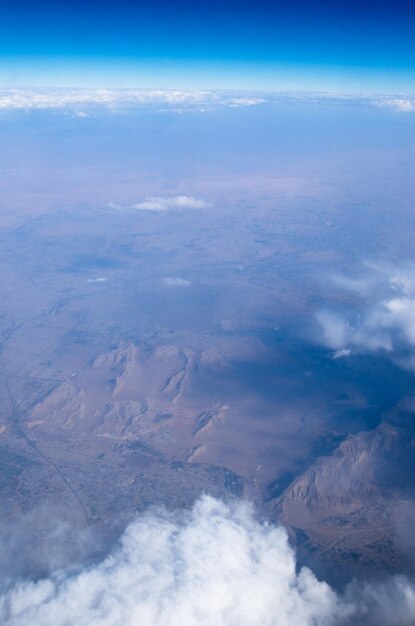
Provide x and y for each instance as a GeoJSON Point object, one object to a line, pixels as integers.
{"type": "Point", "coordinates": [213, 565]}
{"type": "Point", "coordinates": [402, 105]}
{"type": "Point", "coordinates": [340, 354]}
{"type": "Point", "coordinates": [176, 281]}
{"type": "Point", "coordinates": [115, 206]}
{"type": "Point", "coordinates": [382, 319]}
{"type": "Point", "coordinates": [245, 102]}
{"type": "Point", "coordinates": [168, 203]}
{"type": "Point", "coordinates": [99, 279]}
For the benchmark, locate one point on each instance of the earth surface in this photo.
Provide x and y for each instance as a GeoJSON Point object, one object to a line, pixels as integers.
{"type": "Point", "coordinates": [197, 299]}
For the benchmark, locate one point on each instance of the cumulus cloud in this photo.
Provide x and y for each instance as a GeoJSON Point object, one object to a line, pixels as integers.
{"type": "Point", "coordinates": [176, 281]}
{"type": "Point", "coordinates": [383, 319]}
{"type": "Point", "coordinates": [168, 203]}
{"type": "Point", "coordinates": [215, 565]}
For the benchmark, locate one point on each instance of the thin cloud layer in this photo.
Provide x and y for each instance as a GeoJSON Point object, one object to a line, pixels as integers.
{"type": "Point", "coordinates": [215, 565]}
{"type": "Point", "coordinates": [23, 99]}
{"type": "Point", "coordinates": [67, 98]}
{"type": "Point", "coordinates": [81, 101]}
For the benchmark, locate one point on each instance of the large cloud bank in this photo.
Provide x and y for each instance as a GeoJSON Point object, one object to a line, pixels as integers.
{"type": "Point", "coordinates": [214, 566]}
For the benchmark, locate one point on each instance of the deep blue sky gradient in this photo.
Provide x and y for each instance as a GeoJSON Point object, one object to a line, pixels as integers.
{"type": "Point", "coordinates": [264, 44]}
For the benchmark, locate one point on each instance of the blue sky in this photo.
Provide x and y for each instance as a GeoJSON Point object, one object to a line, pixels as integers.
{"type": "Point", "coordinates": [339, 46]}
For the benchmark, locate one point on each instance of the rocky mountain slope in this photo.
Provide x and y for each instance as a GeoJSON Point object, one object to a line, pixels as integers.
{"type": "Point", "coordinates": [351, 508]}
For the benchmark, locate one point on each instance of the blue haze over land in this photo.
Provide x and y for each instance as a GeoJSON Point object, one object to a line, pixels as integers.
{"type": "Point", "coordinates": [266, 240]}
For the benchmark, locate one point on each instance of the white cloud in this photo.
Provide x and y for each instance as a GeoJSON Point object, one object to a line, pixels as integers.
{"type": "Point", "coordinates": [245, 101]}
{"type": "Point", "coordinates": [174, 99]}
{"type": "Point", "coordinates": [109, 98]}
{"type": "Point", "coordinates": [82, 100]}
{"type": "Point", "coordinates": [217, 566]}
{"type": "Point", "coordinates": [340, 354]}
{"type": "Point", "coordinates": [168, 203]}
{"type": "Point", "coordinates": [399, 314]}
{"type": "Point", "coordinates": [384, 318]}
{"type": "Point", "coordinates": [176, 281]}
{"type": "Point", "coordinates": [402, 283]}
{"type": "Point", "coordinates": [334, 328]}
{"type": "Point", "coordinates": [213, 566]}
{"type": "Point", "coordinates": [402, 105]}
{"type": "Point", "coordinates": [99, 279]}
{"type": "Point", "coordinates": [368, 333]}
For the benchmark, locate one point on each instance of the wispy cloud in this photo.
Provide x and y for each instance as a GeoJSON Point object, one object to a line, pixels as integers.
{"type": "Point", "coordinates": [99, 279]}
{"type": "Point", "coordinates": [342, 353]}
{"type": "Point", "coordinates": [176, 281]}
{"type": "Point", "coordinates": [383, 319]}
{"type": "Point", "coordinates": [402, 105]}
{"type": "Point", "coordinates": [213, 565]}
